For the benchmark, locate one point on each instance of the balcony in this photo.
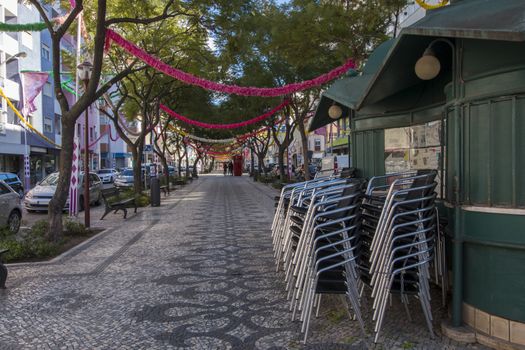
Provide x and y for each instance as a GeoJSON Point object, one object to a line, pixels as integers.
{"type": "Point", "coordinates": [11, 89]}
{"type": "Point", "coordinates": [10, 44]}
{"type": "Point", "coordinates": [11, 6]}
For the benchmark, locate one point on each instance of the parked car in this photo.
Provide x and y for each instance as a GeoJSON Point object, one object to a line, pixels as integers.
{"type": "Point", "coordinates": [14, 182]}
{"type": "Point", "coordinates": [171, 170]}
{"type": "Point", "coordinates": [38, 198]}
{"type": "Point", "coordinates": [11, 213]}
{"type": "Point", "coordinates": [107, 175]}
{"type": "Point", "coordinates": [124, 179]}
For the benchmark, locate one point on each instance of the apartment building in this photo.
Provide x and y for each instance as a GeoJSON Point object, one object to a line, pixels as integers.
{"type": "Point", "coordinates": [22, 52]}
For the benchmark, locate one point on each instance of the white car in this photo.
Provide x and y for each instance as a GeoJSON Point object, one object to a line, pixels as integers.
{"type": "Point", "coordinates": [38, 198]}
{"type": "Point", "coordinates": [107, 175]}
{"type": "Point", "coordinates": [124, 179]}
{"type": "Point", "coordinates": [11, 213]}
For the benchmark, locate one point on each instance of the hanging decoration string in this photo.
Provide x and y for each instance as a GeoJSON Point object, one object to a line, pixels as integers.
{"type": "Point", "coordinates": [198, 138]}
{"type": "Point", "coordinates": [224, 126]}
{"type": "Point", "coordinates": [101, 136]}
{"type": "Point", "coordinates": [188, 78]}
{"type": "Point", "coordinates": [426, 6]}
{"type": "Point", "coordinates": [19, 115]}
{"type": "Point", "coordinates": [28, 27]}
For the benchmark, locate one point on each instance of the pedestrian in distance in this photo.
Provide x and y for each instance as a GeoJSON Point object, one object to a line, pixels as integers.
{"type": "Point", "coordinates": [225, 167]}
{"type": "Point", "coordinates": [230, 168]}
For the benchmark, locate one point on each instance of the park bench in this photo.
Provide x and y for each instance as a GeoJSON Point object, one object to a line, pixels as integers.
{"type": "Point", "coordinates": [165, 189]}
{"type": "Point", "coordinates": [114, 202]}
{"type": "Point", "coordinates": [3, 269]}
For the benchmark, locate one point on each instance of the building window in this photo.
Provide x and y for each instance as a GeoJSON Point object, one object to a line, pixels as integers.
{"type": "Point", "coordinates": [45, 52]}
{"type": "Point", "coordinates": [58, 124]}
{"type": "Point", "coordinates": [317, 145]}
{"type": "Point", "coordinates": [27, 40]}
{"type": "Point", "coordinates": [48, 125]}
{"type": "Point", "coordinates": [48, 91]}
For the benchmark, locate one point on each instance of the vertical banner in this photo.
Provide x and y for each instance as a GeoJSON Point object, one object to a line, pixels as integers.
{"type": "Point", "coordinates": [27, 175]}
{"type": "Point", "coordinates": [75, 177]}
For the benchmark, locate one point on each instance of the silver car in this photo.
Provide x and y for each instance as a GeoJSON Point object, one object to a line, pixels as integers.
{"type": "Point", "coordinates": [38, 198]}
{"type": "Point", "coordinates": [11, 212]}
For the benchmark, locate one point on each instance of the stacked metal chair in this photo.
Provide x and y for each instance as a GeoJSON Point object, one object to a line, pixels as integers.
{"type": "Point", "coordinates": [314, 228]}
{"type": "Point", "coordinates": [332, 237]}
{"type": "Point", "coordinates": [327, 252]}
{"type": "Point", "coordinates": [398, 239]}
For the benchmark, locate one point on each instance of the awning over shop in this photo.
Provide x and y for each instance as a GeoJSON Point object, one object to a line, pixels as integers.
{"type": "Point", "coordinates": [478, 19]}
{"type": "Point", "coordinates": [121, 155]}
{"type": "Point", "coordinates": [396, 85]}
{"type": "Point", "coordinates": [37, 141]}
{"type": "Point", "coordinates": [348, 91]}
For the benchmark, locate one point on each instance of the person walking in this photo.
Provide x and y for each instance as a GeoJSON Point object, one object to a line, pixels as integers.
{"type": "Point", "coordinates": [230, 168]}
{"type": "Point", "coordinates": [225, 167]}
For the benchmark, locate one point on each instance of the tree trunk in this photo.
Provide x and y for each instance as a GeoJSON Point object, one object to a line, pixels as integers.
{"type": "Point", "coordinates": [164, 162]}
{"type": "Point", "coordinates": [212, 164]}
{"type": "Point", "coordinates": [56, 205]}
{"type": "Point", "coordinates": [195, 173]}
{"type": "Point", "coordinates": [280, 161]}
{"type": "Point", "coordinates": [179, 165]}
{"type": "Point", "coordinates": [262, 168]}
{"type": "Point", "coordinates": [304, 143]}
{"type": "Point", "coordinates": [136, 152]}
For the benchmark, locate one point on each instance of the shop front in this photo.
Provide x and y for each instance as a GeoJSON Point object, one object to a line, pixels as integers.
{"type": "Point", "coordinates": [464, 117]}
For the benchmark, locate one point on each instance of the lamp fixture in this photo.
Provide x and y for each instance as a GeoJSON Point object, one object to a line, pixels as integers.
{"type": "Point", "coordinates": [335, 111]}
{"type": "Point", "coordinates": [84, 71]}
{"type": "Point", "coordinates": [428, 66]}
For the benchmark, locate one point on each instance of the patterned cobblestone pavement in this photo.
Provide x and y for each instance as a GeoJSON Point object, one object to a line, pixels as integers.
{"type": "Point", "coordinates": [195, 273]}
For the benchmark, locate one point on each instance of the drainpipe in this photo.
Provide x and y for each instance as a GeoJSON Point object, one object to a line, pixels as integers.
{"type": "Point", "coordinates": [457, 248]}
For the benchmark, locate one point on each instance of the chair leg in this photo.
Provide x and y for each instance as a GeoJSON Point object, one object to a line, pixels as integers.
{"type": "Point", "coordinates": [125, 212]}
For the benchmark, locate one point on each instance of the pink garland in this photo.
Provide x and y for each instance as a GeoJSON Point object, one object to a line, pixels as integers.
{"type": "Point", "coordinates": [101, 136]}
{"type": "Point", "coordinates": [224, 126]}
{"type": "Point", "coordinates": [210, 85]}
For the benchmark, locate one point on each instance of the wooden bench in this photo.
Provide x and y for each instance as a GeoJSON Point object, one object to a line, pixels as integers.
{"type": "Point", "coordinates": [165, 189]}
{"type": "Point", "coordinates": [3, 269]}
{"type": "Point", "coordinates": [114, 202]}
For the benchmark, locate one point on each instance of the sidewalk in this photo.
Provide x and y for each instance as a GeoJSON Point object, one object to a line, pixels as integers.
{"type": "Point", "coordinates": [195, 273]}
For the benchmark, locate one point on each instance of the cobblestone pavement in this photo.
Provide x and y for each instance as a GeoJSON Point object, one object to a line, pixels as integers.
{"type": "Point", "coordinates": [195, 273]}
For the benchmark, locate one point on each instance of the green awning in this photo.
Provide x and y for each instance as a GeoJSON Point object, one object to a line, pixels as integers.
{"type": "Point", "coordinates": [348, 91]}
{"type": "Point", "coordinates": [474, 19]}
{"type": "Point", "coordinates": [501, 20]}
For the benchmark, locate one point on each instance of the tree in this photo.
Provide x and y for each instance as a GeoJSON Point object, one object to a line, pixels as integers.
{"type": "Point", "coordinates": [127, 15]}
{"type": "Point", "coordinates": [301, 39]}
{"type": "Point", "coordinates": [259, 145]}
{"type": "Point", "coordinates": [282, 145]}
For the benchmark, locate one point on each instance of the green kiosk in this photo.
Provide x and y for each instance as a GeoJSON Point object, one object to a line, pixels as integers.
{"type": "Point", "coordinates": [449, 94]}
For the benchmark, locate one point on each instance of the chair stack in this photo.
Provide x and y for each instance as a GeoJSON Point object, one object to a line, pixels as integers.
{"type": "Point", "coordinates": [399, 233]}
{"type": "Point", "coordinates": [332, 237]}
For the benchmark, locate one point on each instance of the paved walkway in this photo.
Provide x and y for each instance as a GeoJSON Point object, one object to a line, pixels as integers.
{"type": "Point", "coordinates": [196, 273]}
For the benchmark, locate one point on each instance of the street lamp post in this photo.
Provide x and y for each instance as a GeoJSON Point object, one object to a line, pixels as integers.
{"type": "Point", "coordinates": [84, 74]}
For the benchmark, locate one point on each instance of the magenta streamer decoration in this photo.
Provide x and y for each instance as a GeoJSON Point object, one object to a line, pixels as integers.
{"type": "Point", "coordinates": [224, 126]}
{"type": "Point", "coordinates": [188, 78]}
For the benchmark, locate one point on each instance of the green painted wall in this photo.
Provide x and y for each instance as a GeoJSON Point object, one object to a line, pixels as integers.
{"type": "Point", "coordinates": [368, 150]}
{"type": "Point", "coordinates": [494, 263]}
{"type": "Point", "coordinates": [485, 135]}
{"type": "Point", "coordinates": [494, 152]}
{"type": "Point", "coordinates": [485, 166]}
